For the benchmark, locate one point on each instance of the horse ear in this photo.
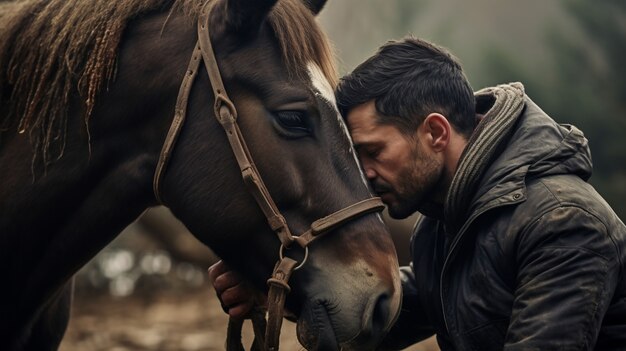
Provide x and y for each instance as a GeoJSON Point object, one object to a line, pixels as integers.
{"type": "Point", "coordinates": [315, 5]}
{"type": "Point", "coordinates": [246, 16]}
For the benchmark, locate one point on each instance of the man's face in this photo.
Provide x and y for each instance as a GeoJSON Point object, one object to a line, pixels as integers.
{"type": "Point", "coordinates": [401, 169]}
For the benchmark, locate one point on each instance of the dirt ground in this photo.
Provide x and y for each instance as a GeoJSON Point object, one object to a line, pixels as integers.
{"type": "Point", "coordinates": [164, 321]}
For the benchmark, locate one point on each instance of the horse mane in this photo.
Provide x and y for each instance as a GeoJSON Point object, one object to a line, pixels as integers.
{"type": "Point", "coordinates": [52, 49]}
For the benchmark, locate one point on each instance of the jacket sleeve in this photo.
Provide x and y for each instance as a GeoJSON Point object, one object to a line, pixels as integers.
{"type": "Point", "coordinates": [410, 327]}
{"type": "Point", "coordinates": [568, 268]}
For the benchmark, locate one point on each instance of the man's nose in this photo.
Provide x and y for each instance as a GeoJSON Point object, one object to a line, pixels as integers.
{"type": "Point", "coordinates": [370, 173]}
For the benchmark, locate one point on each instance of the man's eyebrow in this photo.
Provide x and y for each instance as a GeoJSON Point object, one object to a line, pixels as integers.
{"type": "Point", "coordinates": [364, 144]}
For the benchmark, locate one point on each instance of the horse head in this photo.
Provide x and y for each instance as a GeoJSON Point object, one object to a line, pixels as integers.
{"type": "Point", "coordinates": [277, 69]}
{"type": "Point", "coordinates": [82, 157]}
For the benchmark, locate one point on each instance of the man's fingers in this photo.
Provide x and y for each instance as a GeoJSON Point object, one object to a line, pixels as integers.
{"type": "Point", "coordinates": [226, 281]}
{"type": "Point", "coordinates": [241, 310]}
{"type": "Point", "coordinates": [238, 300]}
{"type": "Point", "coordinates": [236, 295]}
{"type": "Point", "coordinates": [216, 270]}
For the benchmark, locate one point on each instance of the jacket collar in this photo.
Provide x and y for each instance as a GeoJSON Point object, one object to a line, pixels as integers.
{"type": "Point", "coordinates": [534, 145]}
{"type": "Point", "coordinates": [488, 139]}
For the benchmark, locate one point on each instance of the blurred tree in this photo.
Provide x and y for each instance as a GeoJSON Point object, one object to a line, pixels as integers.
{"type": "Point", "coordinates": [590, 90]}
{"type": "Point", "coordinates": [359, 27]}
{"type": "Point", "coordinates": [582, 84]}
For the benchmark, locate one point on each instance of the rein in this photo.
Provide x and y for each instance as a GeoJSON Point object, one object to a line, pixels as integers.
{"type": "Point", "coordinates": [226, 114]}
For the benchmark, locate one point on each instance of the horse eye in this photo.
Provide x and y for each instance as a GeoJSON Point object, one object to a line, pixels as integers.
{"type": "Point", "coordinates": [291, 119]}
{"type": "Point", "coordinates": [294, 122]}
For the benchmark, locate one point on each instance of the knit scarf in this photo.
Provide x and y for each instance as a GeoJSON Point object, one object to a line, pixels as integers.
{"type": "Point", "coordinates": [491, 134]}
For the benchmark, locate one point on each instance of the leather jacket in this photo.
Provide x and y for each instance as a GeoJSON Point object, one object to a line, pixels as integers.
{"type": "Point", "coordinates": [538, 262]}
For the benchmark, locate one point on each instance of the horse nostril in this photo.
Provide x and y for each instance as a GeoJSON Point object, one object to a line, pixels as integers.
{"type": "Point", "coordinates": [380, 314]}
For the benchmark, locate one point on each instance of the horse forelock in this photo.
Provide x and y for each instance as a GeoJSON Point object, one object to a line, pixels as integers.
{"type": "Point", "coordinates": [302, 40]}
{"type": "Point", "coordinates": [299, 37]}
{"type": "Point", "coordinates": [50, 49]}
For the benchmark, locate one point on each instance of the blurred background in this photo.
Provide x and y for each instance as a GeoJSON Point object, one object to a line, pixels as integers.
{"type": "Point", "coordinates": [148, 289]}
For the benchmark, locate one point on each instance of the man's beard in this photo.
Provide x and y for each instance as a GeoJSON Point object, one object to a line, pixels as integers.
{"type": "Point", "coordinates": [416, 186]}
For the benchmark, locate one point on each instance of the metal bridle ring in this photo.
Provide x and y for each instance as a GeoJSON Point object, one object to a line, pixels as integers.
{"type": "Point", "coordinates": [306, 255]}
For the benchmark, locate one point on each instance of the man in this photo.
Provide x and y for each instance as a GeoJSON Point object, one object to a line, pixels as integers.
{"type": "Point", "coordinates": [515, 250]}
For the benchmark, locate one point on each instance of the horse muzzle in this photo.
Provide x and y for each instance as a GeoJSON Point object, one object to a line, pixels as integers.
{"type": "Point", "coordinates": [325, 326]}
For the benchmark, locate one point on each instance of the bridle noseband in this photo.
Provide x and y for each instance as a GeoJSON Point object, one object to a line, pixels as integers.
{"type": "Point", "coordinates": [226, 114]}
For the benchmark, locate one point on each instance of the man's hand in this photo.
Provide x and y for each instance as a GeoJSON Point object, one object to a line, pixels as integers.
{"type": "Point", "coordinates": [236, 295]}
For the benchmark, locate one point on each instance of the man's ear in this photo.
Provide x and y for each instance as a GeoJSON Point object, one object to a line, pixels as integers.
{"type": "Point", "coordinates": [315, 5]}
{"type": "Point", "coordinates": [437, 131]}
{"type": "Point", "coordinates": [245, 17]}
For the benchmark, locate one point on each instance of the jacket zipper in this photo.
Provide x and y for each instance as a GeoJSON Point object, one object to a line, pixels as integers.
{"type": "Point", "coordinates": [452, 249]}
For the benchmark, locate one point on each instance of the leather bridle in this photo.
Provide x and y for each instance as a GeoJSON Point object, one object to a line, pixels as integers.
{"type": "Point", "coordinates": [226, 114]}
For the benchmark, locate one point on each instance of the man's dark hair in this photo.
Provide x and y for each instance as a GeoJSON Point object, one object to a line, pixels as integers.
{"type": "Point", "coordinates": [409, 79]}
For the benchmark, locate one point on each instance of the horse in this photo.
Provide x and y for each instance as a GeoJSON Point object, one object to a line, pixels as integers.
{"type": "Point", "coordinates": [88, 93]}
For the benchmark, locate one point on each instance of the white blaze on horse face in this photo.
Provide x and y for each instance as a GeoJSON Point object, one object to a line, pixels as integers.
{"type": "Point", "coordinates": [325, 90]}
